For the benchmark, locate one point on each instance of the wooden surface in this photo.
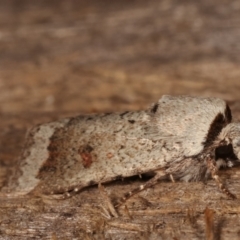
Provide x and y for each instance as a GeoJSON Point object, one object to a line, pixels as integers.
{"type": "Point", "coordinates": [62, 58]}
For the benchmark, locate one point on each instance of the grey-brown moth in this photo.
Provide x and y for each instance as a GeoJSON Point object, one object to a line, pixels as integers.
{"type": "Point", "coordinates": [186, 138]}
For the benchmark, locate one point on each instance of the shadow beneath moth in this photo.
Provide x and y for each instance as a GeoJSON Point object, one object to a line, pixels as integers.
{"type": "Point", "coordinates": [185, 138]}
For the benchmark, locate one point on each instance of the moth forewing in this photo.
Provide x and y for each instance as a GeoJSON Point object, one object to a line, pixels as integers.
{"type": "Point", "coordinates": [85, 150]}
{"type": "Point", "coordinates": [173, 136]}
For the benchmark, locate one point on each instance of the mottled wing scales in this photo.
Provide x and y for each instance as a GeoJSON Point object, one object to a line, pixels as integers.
{"type": "Point", "coordinates": [87, 159]}
{"type": "Point", "coordinates": [86, 150]}
{"type": "Point", "coordinates": [195, 122]}
{"type": "Point", "coordinates": [74, 153]}
{"type": "Point", "coordinates": [35, 154]}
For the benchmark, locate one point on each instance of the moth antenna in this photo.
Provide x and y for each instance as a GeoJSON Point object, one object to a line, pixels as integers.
{"type": "Point", "coordinates": [211, 164]}
{"type": "Point", "coordinates": [159, 174]}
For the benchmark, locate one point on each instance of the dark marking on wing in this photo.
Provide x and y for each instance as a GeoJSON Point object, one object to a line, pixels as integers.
{"type": "Point", "coordinates": [132, 121]}
{"type": "Point", "coordinates": [228, 114]}
{"type": "Point", "coordinates": [85, 153]}
{"type": "Point", "coordinates": [124, 113]}
{"type": "Point", "coordinates": [73, 121]}
{"type": "Point", "coordinates": [53, 154]}
{"type": "Point", "coordinates": [154, 108]}
{"type": "Point", "coordinates": [217, 125]}
{"type": "Point", "coordinates": [92, 182]}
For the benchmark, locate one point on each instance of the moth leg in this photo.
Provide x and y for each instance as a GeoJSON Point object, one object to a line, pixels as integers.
{"type": "Point", "coordinates": [212, 166]}
{"type": "Point", "coordinates": [159, 174]}
{"type": "Point", "coordinates": [65, 194]}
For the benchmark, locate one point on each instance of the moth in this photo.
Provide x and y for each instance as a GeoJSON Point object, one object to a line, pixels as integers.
{"type": "Point", "coordinates": [182, 137]}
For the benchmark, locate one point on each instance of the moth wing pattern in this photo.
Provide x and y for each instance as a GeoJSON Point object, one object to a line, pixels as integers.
{"type": "Point", "coordinates": [73, 153]}
{"type": "Point", "coordinates": [193, 121]}
{"type": "Point", "coordinates": [81, 151]}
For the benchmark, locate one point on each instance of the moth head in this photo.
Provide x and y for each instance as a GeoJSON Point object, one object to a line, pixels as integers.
{"type": "Point", "coordinates": [231, 135]}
